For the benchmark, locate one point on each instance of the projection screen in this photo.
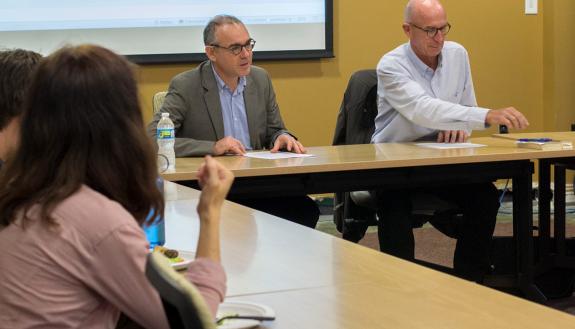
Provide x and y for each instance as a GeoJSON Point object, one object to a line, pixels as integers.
{"type": "Point", "coordinates": [167, 31]}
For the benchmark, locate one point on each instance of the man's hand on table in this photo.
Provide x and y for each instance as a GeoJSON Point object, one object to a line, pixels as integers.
{"type": "Point", "coordinates": [287, 142]}
{"type": "Point", "coordinates": [452, 136]}
{"type": "Point", "coordinates": [228, 145]}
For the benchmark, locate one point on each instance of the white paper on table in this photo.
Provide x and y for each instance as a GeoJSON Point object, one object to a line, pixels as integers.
{"type": "Point", "coordinates": [446, 146]}
{"type": "Point", "coordinates": [278, 155]}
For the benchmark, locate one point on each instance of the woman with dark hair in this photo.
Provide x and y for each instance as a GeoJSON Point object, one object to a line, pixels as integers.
{"type": "Point", "coordinates": [73, 197]}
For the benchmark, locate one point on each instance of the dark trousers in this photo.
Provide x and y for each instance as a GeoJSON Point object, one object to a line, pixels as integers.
{"type": "Point", "coordinates": [479, 204]}
{"type": "Point", "coordinates": [298, 209]}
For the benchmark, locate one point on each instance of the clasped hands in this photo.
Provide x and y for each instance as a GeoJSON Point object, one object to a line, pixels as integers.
{"type": "Point", "coordinates": [230, 145]}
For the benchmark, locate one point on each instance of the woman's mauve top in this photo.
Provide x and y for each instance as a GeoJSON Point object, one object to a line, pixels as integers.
{"type": "Point", "coordinates": [85, 271]}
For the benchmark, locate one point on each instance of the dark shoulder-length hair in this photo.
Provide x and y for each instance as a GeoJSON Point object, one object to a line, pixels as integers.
{"type": "Point", "coordinates": [81, 124]}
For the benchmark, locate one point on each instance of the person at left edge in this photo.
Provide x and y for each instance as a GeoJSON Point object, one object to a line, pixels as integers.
{"type": "Point", "coordinates": [16, 67]}
{"type": "Point", "coordinates": [228, 106]}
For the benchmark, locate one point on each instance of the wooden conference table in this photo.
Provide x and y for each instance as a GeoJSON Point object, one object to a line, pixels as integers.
{"type": "Point", "coordinates": [393, 166]}
{"type": "Point", "coordinates": [553, 252]}
{"type": "Point", "coordinates": [314, 280]}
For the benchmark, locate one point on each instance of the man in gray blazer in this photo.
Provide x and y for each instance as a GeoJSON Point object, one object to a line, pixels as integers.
{"type": "Point", "coordinates": [228, 106]}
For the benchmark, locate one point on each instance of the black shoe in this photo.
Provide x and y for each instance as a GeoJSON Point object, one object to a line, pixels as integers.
{"type": "Point", "coordinates": [446, 222]}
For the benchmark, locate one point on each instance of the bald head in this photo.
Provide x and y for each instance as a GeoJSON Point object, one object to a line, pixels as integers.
{"type": "Point", "coordinates": [424, 19]}
{"type": "Point", "coordinates": [417, 10]}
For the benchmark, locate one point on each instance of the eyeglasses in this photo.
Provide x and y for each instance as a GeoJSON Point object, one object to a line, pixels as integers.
{"type": "Point", "coordinates": [432, 31]}
{"type": "Point", "coordinates": [237, 49]}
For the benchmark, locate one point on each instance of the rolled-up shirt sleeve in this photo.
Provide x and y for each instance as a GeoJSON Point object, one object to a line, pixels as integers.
{"type": "Point", "coordinates": [210, 279]}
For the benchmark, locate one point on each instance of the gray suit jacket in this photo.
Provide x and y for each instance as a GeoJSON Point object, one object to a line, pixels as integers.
{"type": "Point", "coordinates": [193, 102]}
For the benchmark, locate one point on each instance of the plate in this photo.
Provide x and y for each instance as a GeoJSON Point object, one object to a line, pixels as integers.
{"type": "Point", "coordinates": [242, 308]}
{"type": "Point", "coordinates": [188, 258]}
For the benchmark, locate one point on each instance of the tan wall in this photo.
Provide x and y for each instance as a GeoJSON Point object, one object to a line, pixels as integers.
{"type": "Point", "coordinates": [505, 47]}
{"type": "Point", "coordinates": [559, 64]}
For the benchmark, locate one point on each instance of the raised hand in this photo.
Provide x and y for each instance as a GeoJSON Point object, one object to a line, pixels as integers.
{"type": "Point", "coordinates": [215, 181]}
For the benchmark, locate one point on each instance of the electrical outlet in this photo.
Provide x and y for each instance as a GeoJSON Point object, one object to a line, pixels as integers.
{"type": "Point", "coordinates": [531, 7]}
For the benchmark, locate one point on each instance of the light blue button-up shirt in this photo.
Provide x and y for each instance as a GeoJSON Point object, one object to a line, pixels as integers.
{"type": "Point", "coordinates": [234, 111]}
{"type": "Point", "coordinates": [414, 101]}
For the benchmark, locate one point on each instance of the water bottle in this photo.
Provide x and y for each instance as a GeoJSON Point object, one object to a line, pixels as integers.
{"type": "Point", "coordinates": [156, 231]}
{"type": "Point", "coordinates": [166, 139]}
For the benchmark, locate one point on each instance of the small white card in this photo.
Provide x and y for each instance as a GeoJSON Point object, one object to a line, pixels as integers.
{"type": "Point", "coordinates": [278, 155]}
{"type": "Point", "coordinates": [446, 146]}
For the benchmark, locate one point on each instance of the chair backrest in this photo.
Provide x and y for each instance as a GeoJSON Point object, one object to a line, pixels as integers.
{"type": "Point", "coordinates": [355, 125]}
{"type": "Point", "coordinates": [356, 118]}
{"type": "Point", "coordinates": [183, 304]}
{"type": "Point", "coordinates": [158, 100]}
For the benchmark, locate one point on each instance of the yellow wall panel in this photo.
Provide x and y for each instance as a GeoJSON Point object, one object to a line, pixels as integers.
{"type": "Point", "coordinates": [559, 65]}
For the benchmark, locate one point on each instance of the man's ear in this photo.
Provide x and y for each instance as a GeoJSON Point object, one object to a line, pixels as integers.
{"type": "Point", "coordinates": [210, 52]}
{"type": "Point", "coordinates": [407, 29]}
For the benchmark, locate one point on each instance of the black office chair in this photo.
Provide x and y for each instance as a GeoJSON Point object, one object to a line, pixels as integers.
{"type": "Point", "coordinates": [183, 304]}
{"type": "Point", "coordinates": [355, 125]}
{"type": "Point", "coordinates": [355, 211]}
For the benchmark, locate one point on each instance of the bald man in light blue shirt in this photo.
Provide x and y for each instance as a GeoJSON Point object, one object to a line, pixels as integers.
{"type": "Point", "coordinates": [425, 92]}
{"type": "Point", "coordinates": [424, 100]}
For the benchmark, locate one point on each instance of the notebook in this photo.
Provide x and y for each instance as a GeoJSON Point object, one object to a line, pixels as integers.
{"type": "Point", "coordinates": [547, 146]}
